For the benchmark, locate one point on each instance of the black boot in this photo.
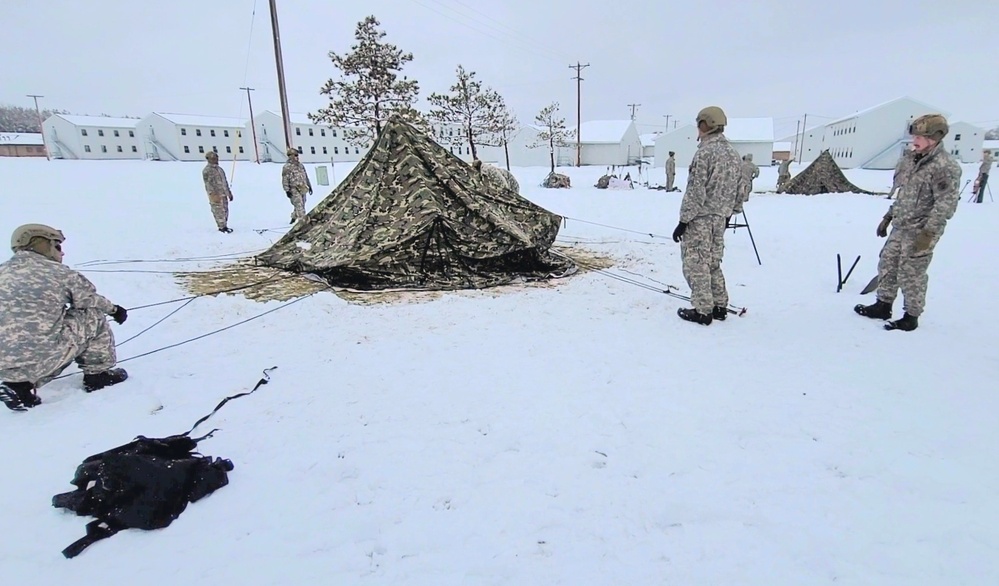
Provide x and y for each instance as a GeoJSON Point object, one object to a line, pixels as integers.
{"type": "Point", "coordinates": [719, 313]}
{"type": "Point", "coordinates": [690, 314]}
{"type": "Point", "coordinates": [18, 396]}
{"type": "Point", "coordinates": [906, 324]}
{"type": "Point", "coordinates": [92, 382]}
{"type": "Point", "coordinates": [878, 310]}
{"type": "Point", "coordinates": [225, 230]}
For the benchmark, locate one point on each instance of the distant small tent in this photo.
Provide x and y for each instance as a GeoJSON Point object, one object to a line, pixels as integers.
{"type": "Point", "coordinates": [411, 215]}
{"type": "Point", "coordinates": [822, 176]}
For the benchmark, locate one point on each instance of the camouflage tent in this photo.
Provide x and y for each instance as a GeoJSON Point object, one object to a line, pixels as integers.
{"type": "Point", "coordinates": [412, 215]}
{"type": "Point", "coordinates": [822, 176]}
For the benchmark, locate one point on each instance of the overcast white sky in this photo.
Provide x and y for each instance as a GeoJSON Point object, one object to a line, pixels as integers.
{"type": "Point", "coordinates": [752, 57]}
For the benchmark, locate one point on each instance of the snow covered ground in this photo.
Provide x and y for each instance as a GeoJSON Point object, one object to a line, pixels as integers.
{"type": "Point", "coordinates": [578, 434]}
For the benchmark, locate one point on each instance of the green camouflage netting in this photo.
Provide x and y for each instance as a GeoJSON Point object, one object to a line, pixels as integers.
{"type": "Point", "coordinates": [822, 176]}
{"type": "Point", "coordinates": [412, 215]}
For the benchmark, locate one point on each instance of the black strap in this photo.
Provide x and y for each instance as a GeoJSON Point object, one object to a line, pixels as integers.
{"type": "Point", "coordinates": [263, 381]}
{"type": "Point", "coordinates": [96, 531]}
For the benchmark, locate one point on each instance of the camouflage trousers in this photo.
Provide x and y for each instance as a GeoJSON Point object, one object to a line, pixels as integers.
{"type": "Point", "coordinates": [86, 339]}
{"type": "Point", "coordinates": [220, 209]}
{"type": "Point", "coordinates": [670, 177]}
{"type": "Point", "coordinates": [982, 183]}
{"type": "Point", "coordinates": [701, 251]}
{"type": "Point", "coordinates": [298, 204]}
{"type": "Point", "coordinates": [782, 179]}
{"type": "Point", "coordinates": [901, 268]}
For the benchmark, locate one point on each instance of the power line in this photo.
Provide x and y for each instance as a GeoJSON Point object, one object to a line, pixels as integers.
{"type": "Point", "coordinates": [635, 106]}
{"type": "Point", "coordinates": [512, 31]}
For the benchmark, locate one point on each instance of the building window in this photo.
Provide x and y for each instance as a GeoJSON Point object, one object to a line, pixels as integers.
{"type": "Point", "coordinates": [301, 150]}
{"type": "Point", "coordinates": [957, 137]}
{"type": "Point", "coordinates": [131, 134]}
{"type": "Point", "coordinates": [334, 132]}
{"type": "Point", "coordinates": [240, 149]}
{"type": "Point", "coordinates": [104, 149]}
{"type": "Point", "coordinates": [183, 132]}
{"type": "Point", "coordinates": [957, 152]}
{"type": "Point", "coordinates": [313, 150]}
{"type": "Point", "coordinates": [322, 132]}
{"type": "Point", "coordinates": [83, 132]}
{"type": "Point", "coordinates": [212, 132]}
{"type": "Point", "coordinates": [100, 132]}
{"type": "Point", "coordinates": [228, 149]}
{"type": "Point", "coordinates": [298, 131]}
{"type": "Point", "coordinates": [86, 148]}
{"type": "Point", "coordinates": [119, 148]}
{"type": "Point", "coordinates": [215, 149]}
{"type": "Point", "coordinates": [197, 132]}
{"type": "Point", "coordinates": [357, 151]}
{"type": "Point", "coordinates": [336, 150]}
{"type": "Point", "coordinates": [116, 133]}
{"type": "Point", "coordinates": [239, 134]}
{"type": "Point", "coordinates": [187, 149]}
{"type": "Point", "coordinates": [225, 133]}
{"type": "Point", "coordinates": [135, 149]}
{"type": "Point", "coordinates": [201, 149]}
{"type": "Point", "coordinates": [324, 151]}
{"type": "Point", "coordinates": [310, 132]}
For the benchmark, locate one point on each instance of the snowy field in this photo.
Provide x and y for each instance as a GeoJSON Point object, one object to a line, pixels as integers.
{"type": "Point", "coordinates": [579, 434]}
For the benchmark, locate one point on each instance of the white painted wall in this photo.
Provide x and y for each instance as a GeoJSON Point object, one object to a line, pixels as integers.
{"type": "Point", "coordinates": [683, 141]}
{"type": "Point", "coordinates": [111, 138]}
{"type": "Point", "coordinates": [965, 141]}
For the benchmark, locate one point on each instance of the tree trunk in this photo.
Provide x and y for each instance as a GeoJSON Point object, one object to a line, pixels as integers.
{"type": "Point", "coordinates": [471, 143]}
{"type": "Point", "coordinates": [506, 151]}
{"type": "Point", "coordinates": [551, 153]}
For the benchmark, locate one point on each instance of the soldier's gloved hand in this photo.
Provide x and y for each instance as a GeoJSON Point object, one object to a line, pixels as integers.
{"type": "Point", "coordinates": [923, 240]}
{"type": "Point", "coordinates": [310, 191]}
{"type": "Point", "coordinates": [119, 315]}
{"type": "Point", "coordinates": [230, 196]}
{"type": "Point", "coordinates": [288, 193]}
{"type": "Point", "coordinates": [678, 232]}
{"type": "Point", "coordinates": [883, 227]}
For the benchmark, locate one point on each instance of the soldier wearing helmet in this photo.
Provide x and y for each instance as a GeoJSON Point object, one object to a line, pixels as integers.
{"type": "Point", "coordinates": [926, 200]}
{"type": "Point", "coordinates": [749, 172]}
{"type": "Point", "coordinates": [713, 190]}
{"type": "Point", "coordinates": [983, 176]}
{"type": "Point", "coordinates": [296, 184]}
{"type": "Point", "coordinates": [51, 316]}
{"type": "Point", "coordinates": [219, 194]}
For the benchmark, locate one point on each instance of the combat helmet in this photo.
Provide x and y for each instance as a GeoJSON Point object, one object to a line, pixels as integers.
{"type": "Point", "coordinates": [713, 117]}
{"type": "Point", "coordinates": [930, 125]}
{"type": "Point", "coordinates": [292, 152]}
{"type": "Point", "coordinates": [22, 235]}
{"type": "Point", "coordinates": [212, 155]}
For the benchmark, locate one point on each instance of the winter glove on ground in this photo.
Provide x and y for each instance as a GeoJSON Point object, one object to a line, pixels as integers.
{"type": "Point", "coordinates": [923, 240]}
{"type": "Point", "coordinates": [119, 315]}
{"type": "Point", "coordinates": [678, 232]}
{"type": "Point", "coordinates": [883, 227]}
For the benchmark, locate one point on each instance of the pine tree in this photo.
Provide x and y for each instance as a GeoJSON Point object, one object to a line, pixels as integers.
{"type": "Point", "coordinates": [502, 129]}
{"type": "Point", "coordinates": [370, 89]}
{"type": "Point", "coordinates": [992, 134]}
{"type": "Point", "coordinates": [470, 106]}
{"type": "Point", "coordinates": [553, 132]}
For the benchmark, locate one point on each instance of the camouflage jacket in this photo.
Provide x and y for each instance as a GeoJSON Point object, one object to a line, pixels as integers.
{"type": "Point", "coordinates": [986, 165]}
{"type": "Point", "coordinates": [294, 178]}
{"type": "Point", "coordinates": [671, 166]}
{"type": "Point", "coordinates": [929, 193]}
{"type": "Point", "coordinates": [215, 181]}
{"type": "Point", "coordinates": [35, 294]}
{"type": "Point", "coordinates": [714, 181]}
{"type": "Point", "coordinates": [784, 168]}
{"type": "Point", "coordinates": [902, 168]}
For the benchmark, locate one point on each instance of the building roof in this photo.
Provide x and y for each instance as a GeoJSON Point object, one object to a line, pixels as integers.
{"type": "Point", "coordinates": [197, 120]}
{"type": "Point", "coordinates": [296, 117]}
{"type": "Point", "coordinates": [929, 108]}
{"type": "Point", "coordinates": [990, 144]}
{"type": "Point", "coordinates": [603, 131]}
{"type": "Point", "coordinates": [649, 139]}
{"type": "Point", "coordinates": [21, 138]}
{"type": "Point", "coordinates": [103, 121]}
{"type": "Point", "coordinates": [750, 130]}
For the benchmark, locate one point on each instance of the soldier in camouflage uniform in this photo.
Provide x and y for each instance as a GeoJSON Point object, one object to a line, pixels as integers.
{"type": "Point", "coordinates": [296, 184]}
{"type": "Point", "coordinates": [983, 176]}
{"type": "Point", "coordinates": [219, 194]}
{"type": "Point", "coordinates": [749, 171]}
{"type": "Point", "coordinates": [710, 200]}
{"type": "Point", "coordinates": [927, 199]}
{"type": "Point", "coordinates": [499, 177]}
{"type": "Point", "coordinates": [670, 170]}
{"type": "Point", "coordinates": [784, 172]}
{"type": "Point", "coordinates": [50, 316]}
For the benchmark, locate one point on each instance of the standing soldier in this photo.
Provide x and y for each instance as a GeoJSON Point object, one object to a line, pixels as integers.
{"type": "Point", "coordinates": [50, 317]}
{"type": "Point", "coordinates": [710, 199]}
{"type": "Point", "coordinates": [670, 170]}
{"type": "Point", "coordinates": [927, 199]}
{"type": "Point", "coordinates": [750, 171]}
{"type": "Point", "coordinates": [219, 194]}
{"type": "Point", "coordinates": [983, 176]}
{"type": "Point", "coordinates": [784, 172]}
{"type": "Point", "coordinates": [296, 184]}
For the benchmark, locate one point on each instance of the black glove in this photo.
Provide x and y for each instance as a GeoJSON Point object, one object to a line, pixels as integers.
{"type": "Point", "coordinates": [678, 233]}
{"type": "Point", "coordinates": [883, 227]}
{"type": "Point", "coordinates": [288, 193]}
{"type": "Point", "coordinates": [119, 315]}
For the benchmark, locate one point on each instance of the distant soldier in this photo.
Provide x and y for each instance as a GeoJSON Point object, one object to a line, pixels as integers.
{"type": "Point", "coordinates": [927, 199]}
{"type": "Point", "coordinates": [219, 194]}
{"type": "Point", "coordinates": [670, 170]}
{"type": "Point", "coordinates": [51, 316]}
{"type": "Point", "coordinates": [711, 197]}
{"type": "Point", "coordinates": [750, 172]}
{"type": "Point", "coordinates": [296, 184]}
{"type": "Point", "coordinates": [784, 172]}
{"type": "Point", "coordinates": [901, 172]}
{"type": "Point", "coordinates": [499, 177]}
{"type": "Point", "coordinates": [983, 176]}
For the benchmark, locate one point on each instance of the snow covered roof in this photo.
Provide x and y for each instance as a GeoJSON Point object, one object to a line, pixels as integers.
{"type": "Point", "coordinates": [990, 145]}
{"type": "Point", "coordinates": [197, 120]}
{"type": "Point", "coordinates": [603, 131]}
{"type": "Point", "coordinates": [296, 117]}
{"type": "Point", "coordinates": [21, 138]}
{"type": "Point", "coordinates": [928, 107]}
{"type": "Point", "coordinates": [102, 121]}
{"type": "Point", "coordinates": [782, 146]}
{"type": "Point", "coordinates": [649, 139]}
{"type": "Point", "coordinates": [750, 130]}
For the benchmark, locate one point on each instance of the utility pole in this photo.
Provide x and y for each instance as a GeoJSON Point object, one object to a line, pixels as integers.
{"type": "Point", "coordinates": [667, 121]}
{"type": "Point", "coordinates": [40, 128]}
{"type": "Point", "coordinates": [633, 106]}
{"type": "Point", "coordinates": [285, 115]}
{"type": "Point", "coordinates": [797, 128]}
{"type": "Point", "coordinates": [579, 118]}
{"type": "Point", "coordinates": [804, 127]}
{"type": "Point", "coordinates": [253, 125]}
